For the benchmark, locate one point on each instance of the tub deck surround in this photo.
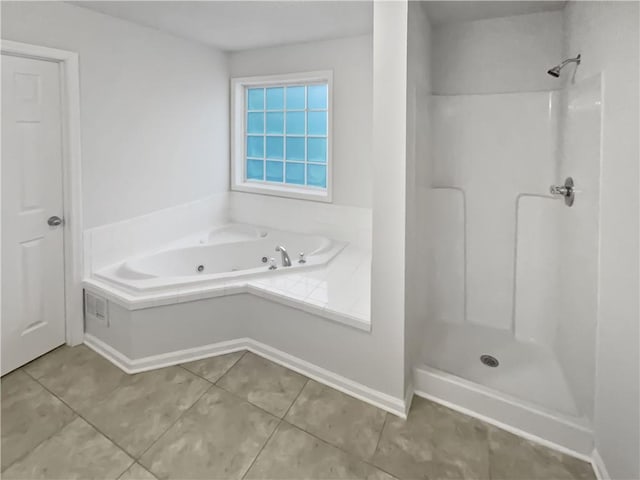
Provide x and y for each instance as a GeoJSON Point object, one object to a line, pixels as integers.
{"type": "Point", "coordinates": [339, 291]}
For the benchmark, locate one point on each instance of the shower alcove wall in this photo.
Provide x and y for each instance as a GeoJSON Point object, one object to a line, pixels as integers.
{"type": "Point", "coordinates": [511, 270]}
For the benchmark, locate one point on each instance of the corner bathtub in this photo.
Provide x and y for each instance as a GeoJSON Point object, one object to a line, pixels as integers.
{"type": "Point", "coordinates": [228, 253]}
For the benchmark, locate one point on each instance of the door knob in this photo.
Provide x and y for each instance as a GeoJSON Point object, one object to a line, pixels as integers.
{"type": "Point", "coordinates": [54, 221]}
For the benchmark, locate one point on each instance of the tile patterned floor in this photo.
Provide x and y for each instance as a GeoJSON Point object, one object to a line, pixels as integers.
{"type": "Point", "coordinates": [72, 415]}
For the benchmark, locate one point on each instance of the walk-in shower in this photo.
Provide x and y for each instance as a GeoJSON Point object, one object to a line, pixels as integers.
{"type": "Point", "coordinates": [512, 272]}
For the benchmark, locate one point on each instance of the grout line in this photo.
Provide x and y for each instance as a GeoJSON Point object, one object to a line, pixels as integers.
{"type": "Point", "coordinates": [73, 417]}
{"type": "Point", "coordinates": [384, 423]}
{"type": "Point", "coordinates": [181, 365]}
{"type": "Point", "coordinates": [211, 385]}
{"type": "Point", "coordinates": [281, 419]}
{"type": "Point", "coordinates": [229, 369]}
{"type": "Point", "coordinates": [258, 406]}
{"type": "Point", "coordinates": [245, 400]}
{"type": "Point", "coordinates": [144, 468]}
{"type": "Point", "coordinates": [262, 448]}
{"type": "Point", "coordinates": [297, 397]}
{"type": "Point", "coordinates": [79, 415]}
{"type": "Point", "coordinates": [127, 469]}
{"type": "Point", "coordinates": [350, 454]}
{"type": "Point", "coordinates": [172, 424]}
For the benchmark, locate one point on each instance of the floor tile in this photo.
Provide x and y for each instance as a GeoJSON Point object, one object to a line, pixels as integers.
{"type": "Point", "coordinates": [78, 451]}
{"type": "Point", "coordinates": [512, 457]}
{"type": "Point", "coordinates": [293, 454]}
{"type": "Point", "coordinates": [137, 472]}
{"type": "Point", "coordinates": [433, 443]}
{"type": "Point", "coordinates": [30, 415]}
{"type": "Point", "coordinates": [263, 383]}
{"type": "Point", "coordinates": [213, 368]}
{"type": "Point", "coordinates": [218, 438]}
{"type": "Point", "coordinates": [77, 375]}
{"type": "Point", "coordinates": [136, 413]}
{"type": "Point", "coordinates": [337, 418]}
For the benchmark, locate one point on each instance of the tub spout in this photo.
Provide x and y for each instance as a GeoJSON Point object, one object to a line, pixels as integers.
{"type": "Point", "coordinates": [286, 261]}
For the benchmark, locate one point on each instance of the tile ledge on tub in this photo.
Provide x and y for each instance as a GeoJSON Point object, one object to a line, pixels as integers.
{"type": "Point", "coordinates": [298, 299]}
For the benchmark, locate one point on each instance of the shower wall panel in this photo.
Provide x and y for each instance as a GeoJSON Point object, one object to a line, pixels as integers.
{"type": "Point", "coordinates": [489, 151]}
{"type": "Point", "coordinates": [580, 158]}
{"type": "Point", "coordinates": [446, 211]}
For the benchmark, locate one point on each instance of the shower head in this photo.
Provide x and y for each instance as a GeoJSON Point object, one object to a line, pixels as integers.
{"type": "Point", "coordinates": [555, 71]}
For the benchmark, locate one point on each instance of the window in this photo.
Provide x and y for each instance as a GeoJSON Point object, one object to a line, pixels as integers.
{"type": "Point", "coordinates": [281, 135]}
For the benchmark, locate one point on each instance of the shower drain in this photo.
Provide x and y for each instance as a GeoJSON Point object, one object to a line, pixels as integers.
{"type": "Point", "coordinates": [489, 360]}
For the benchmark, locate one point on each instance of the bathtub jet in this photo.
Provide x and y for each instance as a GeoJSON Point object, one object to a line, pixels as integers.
{"type": "Point", "coordinates": [555, 71]}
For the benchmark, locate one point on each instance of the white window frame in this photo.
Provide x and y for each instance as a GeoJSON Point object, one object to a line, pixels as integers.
{"type": "Point", "coordinates": [238, 144]}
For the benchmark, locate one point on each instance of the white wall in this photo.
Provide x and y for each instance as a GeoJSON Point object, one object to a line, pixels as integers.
{"type": "Point", "coordinates": [417, 180]}
{"type": "Point", "coordinates": [351, 62]}
{"type": "Point", "coordinates": [606, 34]}
{"type": "Point", "coordinates": [389, 180]}
{"type": "Point", "coordinates": [154, 109]}
{"type": "Point", "coordinates": [508, 54]}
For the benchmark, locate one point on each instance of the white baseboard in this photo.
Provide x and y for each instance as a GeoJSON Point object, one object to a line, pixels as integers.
{"type": "Point", "coordinates": [396, 406]}
{"type": "Point", "coordinates": [130, 366]}
{"type": "Point", "coordinates": [408, 398]}
{"type": "Point", "coordinates": [599, 466]}
{"type": "Point", "coordinates": [569, 436]}
{"type": "Point", "coordinates": [362, 392]}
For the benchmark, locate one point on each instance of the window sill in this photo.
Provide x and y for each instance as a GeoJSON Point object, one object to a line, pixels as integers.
{"type": "Point", "coordinates": [283, 191]}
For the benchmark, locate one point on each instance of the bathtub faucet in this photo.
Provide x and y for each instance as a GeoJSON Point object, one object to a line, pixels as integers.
{"type": "Point", "coordinates": [286, 261]}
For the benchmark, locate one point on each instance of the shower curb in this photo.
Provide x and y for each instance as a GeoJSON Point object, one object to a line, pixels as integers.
{"type": "Point", "coordinates": [571, 436]}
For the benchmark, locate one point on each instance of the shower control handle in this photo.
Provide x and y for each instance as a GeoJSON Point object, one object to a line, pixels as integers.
{"type": "Point", "coordinates": [560, 190]}
{"type": "Point", "coordinates": [567, 191]}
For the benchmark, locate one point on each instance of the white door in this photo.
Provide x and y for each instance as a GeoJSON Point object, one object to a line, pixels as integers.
{"type": "Point", "coordinates": [33, 316]}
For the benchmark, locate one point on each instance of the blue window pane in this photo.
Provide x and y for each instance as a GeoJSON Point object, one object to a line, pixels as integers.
{"type": "Point", "coordinates": [255, 169]}
{"type": "Point", "coordinates": [275, 122]}
{"type": "Point", "coordinates": [275, 98]}
{"type": "Point", "coordinates": [255, 123]}
{"type": "Point", "coordinates": [295, 148]}
{"type": "Point", "coordinates": [275, 147]}
{"type": "Point", "coordinates": [295, 173]}
{"type": "Point", "coordinates": [295, 123]}
{"type": "Point", "coordinates": [317, 175]}
{"type": "Point", "coordinates": [295, 98]}
{"type": "Point", "coordinates": [317, 150]}
{"type": "Point", "coordinates": [274, 171]}
{"type": "Point", "coordinates": [255, 98]}
{"type": "Point", "coordinates": [317, 97]}
{"type": "Point", "coordinates": [317, 123]}
{"type": "Point", "coordinates": [255, 147]}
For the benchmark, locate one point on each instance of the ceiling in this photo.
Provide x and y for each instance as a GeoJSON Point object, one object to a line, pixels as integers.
{"type": "Point", "coordinates": [239, 25]}
{"type": "Point", "coordinates": [463, 11]}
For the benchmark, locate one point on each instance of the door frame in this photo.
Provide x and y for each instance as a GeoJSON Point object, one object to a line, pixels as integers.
{"type": "Point", "coordinates": [71, 177]}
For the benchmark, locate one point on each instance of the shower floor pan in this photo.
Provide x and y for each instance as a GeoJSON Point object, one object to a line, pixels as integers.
{"type": "Point", "coordinates": [527, 391]}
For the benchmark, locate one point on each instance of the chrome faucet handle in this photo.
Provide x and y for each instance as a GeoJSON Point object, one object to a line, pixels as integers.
{"type": "Point", "coordinates": [567, 190]}
{"type": "Point", "coordinates": [301, 258]}
{"type": "Point", "coordinates": [272, 264]}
